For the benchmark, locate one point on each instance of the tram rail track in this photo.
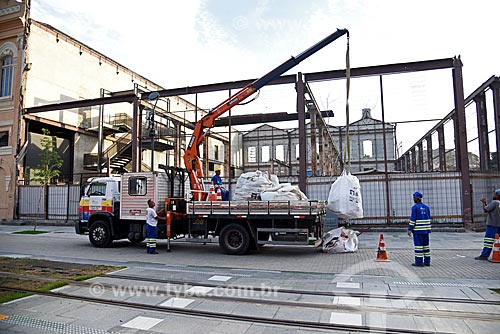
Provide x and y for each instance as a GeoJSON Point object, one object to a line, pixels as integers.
{"type": "Point", "coordinates": [306, 292]}
{"type": "Point", "coordinates": [224, 316]}
{"type": "Point", "coordinates": [324, 306]}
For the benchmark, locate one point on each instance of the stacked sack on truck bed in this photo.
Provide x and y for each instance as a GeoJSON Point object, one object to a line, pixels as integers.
{"type": "Point", "coordinates": [258, 185]}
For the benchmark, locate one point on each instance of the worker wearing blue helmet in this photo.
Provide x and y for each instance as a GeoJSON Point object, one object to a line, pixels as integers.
{"type": "Point", "coordinates": [420, 227]}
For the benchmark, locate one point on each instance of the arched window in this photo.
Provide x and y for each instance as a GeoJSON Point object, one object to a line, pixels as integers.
{"type": "Point", "coordinates": [7, 76]}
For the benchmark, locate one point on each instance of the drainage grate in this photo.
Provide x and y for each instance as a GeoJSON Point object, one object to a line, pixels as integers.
{"type": "Point", "coordinates": [53, 326]}
{"type": "Point", "coordinates": [440, 284]}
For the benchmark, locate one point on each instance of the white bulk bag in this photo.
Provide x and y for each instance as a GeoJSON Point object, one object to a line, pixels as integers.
{"type": "Point", "coordinates": [345, 197]}
{"type": "Point", "coordinates": [251, 183]}
{"type": "Point", "coordinates": [340, 240]}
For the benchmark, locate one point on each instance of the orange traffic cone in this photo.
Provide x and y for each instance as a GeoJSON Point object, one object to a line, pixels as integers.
{"type": "Point", "coordinates": [381, 252]}
{"type": "Point", "coordinates": [211, 194]}
{"type": "Point", "coordinates": [219, 195]}
{"type": "Point", "coordinates": [495, 254]}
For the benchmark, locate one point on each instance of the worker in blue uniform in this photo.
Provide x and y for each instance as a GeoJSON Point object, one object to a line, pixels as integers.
{"type": "Point", "coordinates": [420, 227]}
{"type": "Point", "coordinates": [217, 181]}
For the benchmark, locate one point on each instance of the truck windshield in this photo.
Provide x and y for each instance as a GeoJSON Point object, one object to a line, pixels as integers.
{"type": "Point", "coordinates": [97, 189]}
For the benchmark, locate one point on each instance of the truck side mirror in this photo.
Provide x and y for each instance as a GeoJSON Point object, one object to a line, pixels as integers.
{"type": "Point", "coordinates": [82, 190]}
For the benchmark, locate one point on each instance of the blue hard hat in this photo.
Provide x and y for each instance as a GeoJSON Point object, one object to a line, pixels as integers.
{"type": "Point", "coordinates": [418, 194]}
{"type": "Point", "coordinates": [497, 192]}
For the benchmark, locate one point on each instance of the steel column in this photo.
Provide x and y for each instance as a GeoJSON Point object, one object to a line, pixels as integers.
{"type": "Point", "coordinates": [299, 87]}
{"type": "Point", "coordinates": [136, 124]}
{"type": "Point", "coordinates": [482, 129]}
{"type": "Point", "coordinates": [430, 160]}
{"type": "Point", "coordinates": [386, 176]}
{"type": "Point", "coordinates": [496, 108]}
{"type": "Point", "coordinates": [413, 160]}
{"type": "Point", "coordinates": [100, 136]}
{"type": "Point", "coordinates": [442, 149]}
{"type": "Point", "coordinates": [420, 157]}
{"type": "Point", "coordinates": [456, 136]}
{"type": "Point", "coordinates": [314, 153]}
{"type": "Point", "coordinates": [462, 141]}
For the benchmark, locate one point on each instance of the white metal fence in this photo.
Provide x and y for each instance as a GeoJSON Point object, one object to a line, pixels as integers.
{"type": "Point", "coordinates": [442, 192]}
{"type": "Point", "coordinates": [61, 202]}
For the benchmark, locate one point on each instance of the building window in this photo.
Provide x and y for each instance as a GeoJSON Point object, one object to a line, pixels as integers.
{"type": "Point", "coordinates": [7, 69]}
{"type": "Point", "coordinates": [367, 149]}
{"type": "Point", "coordinates": [216, 152]}
{"type": "Point", "coordinates": [265, 153]}
{"type": "Point", "coordinates": [280, 152]}
{"type": "Point", "coordinates": [297, 150]}
{"type": "Point", "coordinates": [4, 138]}
{"type": "Point", "coordinates": [252, 154]}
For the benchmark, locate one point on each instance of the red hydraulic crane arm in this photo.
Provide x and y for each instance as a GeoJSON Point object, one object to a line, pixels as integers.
{"type": "Point", "coordinates": [191, 156]}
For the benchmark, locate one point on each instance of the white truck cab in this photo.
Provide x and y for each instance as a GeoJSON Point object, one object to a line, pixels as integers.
{"type": "Point", "coordinates": [102, 194]}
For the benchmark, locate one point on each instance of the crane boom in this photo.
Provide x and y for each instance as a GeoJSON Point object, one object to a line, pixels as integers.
{"type": "Point", "coordinates": [192, 153]}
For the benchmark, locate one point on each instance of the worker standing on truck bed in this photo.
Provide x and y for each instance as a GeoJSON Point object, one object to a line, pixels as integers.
{"type": "Point", "coordinates": [217, 181]}
{"type": "Point", "coordinates": [151, 222]}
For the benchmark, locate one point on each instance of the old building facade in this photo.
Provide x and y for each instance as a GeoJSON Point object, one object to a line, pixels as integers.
{"type": "Point", "coordinates": [42, 65]}
{"type": "Point", "coordinates": [270, 148]}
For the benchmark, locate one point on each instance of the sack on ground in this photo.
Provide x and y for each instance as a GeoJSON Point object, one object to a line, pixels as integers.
{"type": "Point", "coordinates": [340, 240]}
{"type": "Point", "coordinates": [344, 198]}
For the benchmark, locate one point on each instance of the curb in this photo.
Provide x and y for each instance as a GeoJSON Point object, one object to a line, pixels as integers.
{"type": "Point", "coordinates": [38, 222]}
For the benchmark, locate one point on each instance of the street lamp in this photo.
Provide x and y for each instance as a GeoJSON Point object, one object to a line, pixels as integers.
{"type": "Point", "coordinates": [151, 126]}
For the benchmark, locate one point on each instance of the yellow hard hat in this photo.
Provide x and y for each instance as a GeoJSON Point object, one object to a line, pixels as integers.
{"type": "Point", "coordinates": [217, 169]}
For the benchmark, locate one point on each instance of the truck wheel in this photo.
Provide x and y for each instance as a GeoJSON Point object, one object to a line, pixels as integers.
{"type": "Point", "coordinates": [135, 237]}
{"type": "Point", "coordinates": [100, 234]}
{"type": "Point", "coordinates": [234, 239]}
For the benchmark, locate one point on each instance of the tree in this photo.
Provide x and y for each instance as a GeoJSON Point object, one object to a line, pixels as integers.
{"type": "Point", "coordinates": [49, 167]}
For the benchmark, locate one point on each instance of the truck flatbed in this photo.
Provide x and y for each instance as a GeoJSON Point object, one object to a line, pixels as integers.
{"type": "Point", "coordinates": [307, 208]}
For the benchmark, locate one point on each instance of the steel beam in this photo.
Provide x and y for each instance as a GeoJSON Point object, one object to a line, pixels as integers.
{"type": "Point", "coordinates": [426, 65]}
{"type": "Point", "coordinates": [82, 103]}
{"type": "Point", "coordinates": [216, 87]}
{"type": "Point", "coordinates": [264, 118]}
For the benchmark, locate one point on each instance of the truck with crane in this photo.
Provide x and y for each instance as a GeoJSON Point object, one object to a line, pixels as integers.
{"type": "Point", "coordinates": [113, 208]}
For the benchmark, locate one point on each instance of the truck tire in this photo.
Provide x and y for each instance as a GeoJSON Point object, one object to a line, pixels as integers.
{"type": "Point", "coordinates": [234, 239]}
{"type": "Point", "coordinates": [136, 237]}
{"type": "Point", "coordinates": [100, 234]}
